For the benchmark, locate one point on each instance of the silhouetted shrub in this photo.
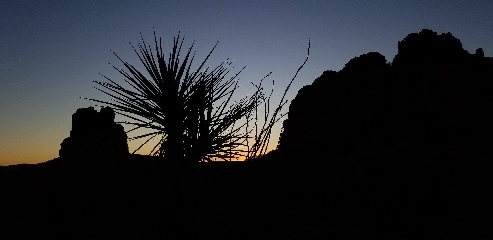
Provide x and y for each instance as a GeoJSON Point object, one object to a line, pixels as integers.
{"type": "Point", "coordinates": [191, 113]}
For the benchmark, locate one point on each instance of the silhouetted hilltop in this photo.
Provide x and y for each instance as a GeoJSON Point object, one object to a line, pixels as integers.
{"type": "Point", "coordinates": [339, 112]}
{"type": "Point", "coordinates": [94, 134]}
{"type": "Point", "coordinates": [417, 131]}
{"type": "Point", "coordinates": [431, 101]}
{"type": "Point", "coordinates": [428, 47]}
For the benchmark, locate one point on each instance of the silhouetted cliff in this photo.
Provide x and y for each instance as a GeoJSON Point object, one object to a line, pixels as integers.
{"type": "Point", "coordinates": [417, 131]}
{"type": "Point", "coordinates": [432, 101]}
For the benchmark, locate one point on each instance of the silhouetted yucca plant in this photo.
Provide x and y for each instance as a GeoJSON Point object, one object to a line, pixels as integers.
{"type": "Point", "coordinates": [190, 113]}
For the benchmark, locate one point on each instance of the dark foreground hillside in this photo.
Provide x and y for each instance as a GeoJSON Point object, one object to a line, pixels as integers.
{"type": "Point", "coordinates": [130, 198]}
{"type": "Point", "coordinates": [378, 150]}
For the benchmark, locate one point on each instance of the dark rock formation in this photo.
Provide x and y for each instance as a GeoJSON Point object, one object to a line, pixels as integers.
{"type": "Point", "coordinates": [411, 138]}
{"type": "Point", "coordinates": [94, 134]}
{"type": "Point", "coordinates": [339, 111]}
{"type": "Point", "coordinates": [432, 100]}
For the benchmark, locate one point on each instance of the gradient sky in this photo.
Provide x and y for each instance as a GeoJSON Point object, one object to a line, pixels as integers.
{"type": "Point", "coordinates": [51, 51]}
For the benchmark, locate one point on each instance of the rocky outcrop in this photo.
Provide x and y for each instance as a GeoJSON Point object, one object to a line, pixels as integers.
{"type": "Point", "coordinates": [94, 134]}
{"type": "Point", "coordinates": [339, 110]}
{"type": "Point", "coordinates": [431, 102]}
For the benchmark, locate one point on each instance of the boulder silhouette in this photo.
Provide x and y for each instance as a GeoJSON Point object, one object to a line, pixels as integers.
{"type": "Point", "coordinates": [339, 110]}
{"type": "Point", "coordinates": [94, 134]}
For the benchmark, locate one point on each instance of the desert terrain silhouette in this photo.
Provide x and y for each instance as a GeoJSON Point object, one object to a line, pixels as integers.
{"type": "Point", "coordinates": [384, 149]}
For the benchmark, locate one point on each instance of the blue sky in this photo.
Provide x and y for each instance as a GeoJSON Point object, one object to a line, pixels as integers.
{"type": "Point", "coordinates": [51, 51]}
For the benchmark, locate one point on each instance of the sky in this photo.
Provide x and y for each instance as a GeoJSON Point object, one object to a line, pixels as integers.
{"type": "Point", "coordinates": [52, 51]}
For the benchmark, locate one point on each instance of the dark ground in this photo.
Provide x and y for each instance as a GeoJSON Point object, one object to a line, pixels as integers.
{"type": "Point", "coordinates": [130, 198]}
